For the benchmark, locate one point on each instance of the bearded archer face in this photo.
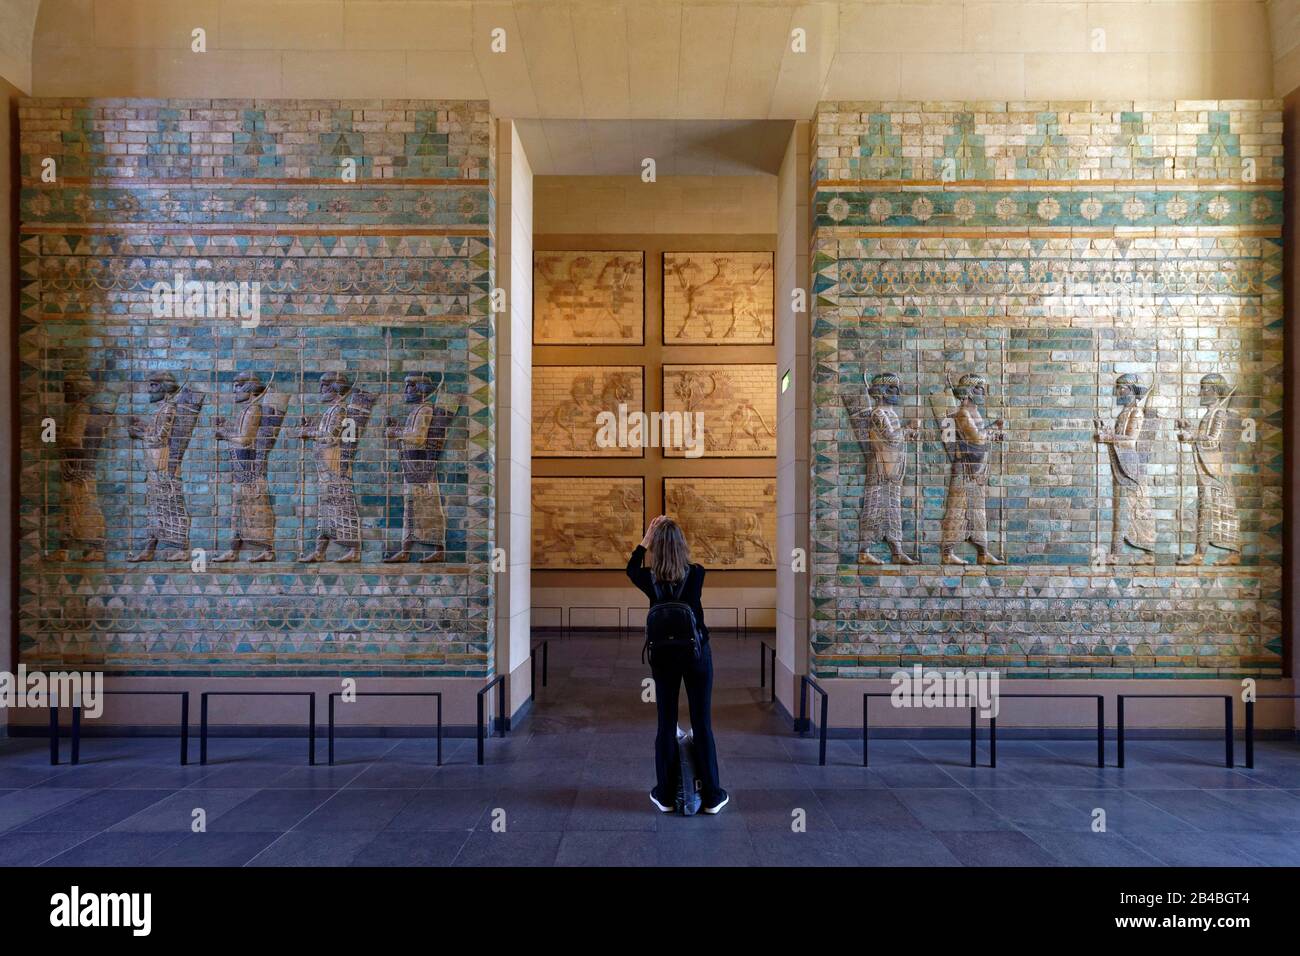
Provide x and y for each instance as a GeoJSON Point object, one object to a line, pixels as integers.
{"type": "Point", "coordinates": [160, 389]}
{"type": "Point", "coordinates": [246, 390]}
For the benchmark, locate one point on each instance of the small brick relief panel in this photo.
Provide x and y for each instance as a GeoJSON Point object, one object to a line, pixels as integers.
{"type": "Point", "coordinates": [568, 402]}
{"type": "Point", "coordinates": [730, 523]}
{"type": "Point", "coordinates": [588, 298]}
{"type": "Point", "coordinates": [583, 523]}
{"type": "Point", "coordinates": [717, 298]}
{"type": "Point", "coordinates": [737, 402]}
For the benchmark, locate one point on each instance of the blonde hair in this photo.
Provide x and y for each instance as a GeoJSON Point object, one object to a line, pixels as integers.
{"type": "Point", "coordinates": [670, 556]}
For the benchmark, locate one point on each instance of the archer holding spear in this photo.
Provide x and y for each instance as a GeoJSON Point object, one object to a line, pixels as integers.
{"type": "Point", "coordinates": [966, 439]}
{"type": "Point", "coordinates": [1133, 523]}
{"type": "Point", "coordinates": [1217, 521]}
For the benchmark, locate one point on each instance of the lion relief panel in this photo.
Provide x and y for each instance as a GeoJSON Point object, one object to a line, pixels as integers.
{"type": "Point", "coordinates": [568, 401]}
{"type": "Point", "coordinates": [729, 523]}
{"type": "Point", "coordinates": [737, 404]}
{"type": "Point", "coordinates": [588, 298]}
{"type": "Point", "coordinates": [584, 523]}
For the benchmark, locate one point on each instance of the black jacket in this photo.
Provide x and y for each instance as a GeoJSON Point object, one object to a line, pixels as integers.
{"type": "Point", "coordinates": [640, 576]}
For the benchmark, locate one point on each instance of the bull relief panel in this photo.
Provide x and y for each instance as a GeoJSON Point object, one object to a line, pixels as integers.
{"type": "Point", "coordinates": [588, 298]}
{"type": "Point", "coordinates": [718, 298]}
{"type": "Point", "coordinates": [733, 406]}
{"type": "Point", "coordinates": [729, 523]}
{"type": "Point", "coordinates": [586, 523]}
{"type": "Point", "coordinates": [574, 406]}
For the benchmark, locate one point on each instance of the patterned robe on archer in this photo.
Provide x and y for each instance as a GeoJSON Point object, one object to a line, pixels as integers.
{"type": "Point", "coordinates": [1217, 522]}
{"type": "Point", "coordinates": [254, 516]}
{"type": "Point", "coordinates": [169, 520]}
{"type": "Point", "coordinates": [1132, 520]}
{"type": "Point", "coordinates": [419, 441]}
{"type": "Point", "coordinates": [83, 433]}
{"type": "Point", "coordinates": [964, 518]}
{"type": "Point", "coordinates": [337, 518]}
{"type": "Point", "coordinates": [881, 437]}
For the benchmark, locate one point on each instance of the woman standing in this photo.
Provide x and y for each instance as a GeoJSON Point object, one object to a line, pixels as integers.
{"type": "Point", "coordinates": [678, 580]}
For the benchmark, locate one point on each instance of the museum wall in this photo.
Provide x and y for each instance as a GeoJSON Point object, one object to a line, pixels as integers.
{"type": "Point", "coordinates": [514, 372]}
{"type": "Point", "coordinates": [1112, 480]}
{"type": "Point", "coordinates": [676, 213]}
{"type": "Point", "coordinates": [793, 436]}
{"type": "Point", "coordinates": [590, 503]}
{"type": "Point", "coordinates": [9, 99]}
{"type": "Point", "coordinates": [344, 429]}
{"type": "Point", "coordinates": [677, 205]}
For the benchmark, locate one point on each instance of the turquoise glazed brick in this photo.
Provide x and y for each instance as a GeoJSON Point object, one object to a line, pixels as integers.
{"type": "Point", "coordinates": [1050, 251]}
{"type": "Point", "coordinates": [379, 278]}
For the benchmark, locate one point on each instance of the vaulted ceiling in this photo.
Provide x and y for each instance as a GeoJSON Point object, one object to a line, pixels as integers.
{"type": "Point", "coordinates": [659, 59]}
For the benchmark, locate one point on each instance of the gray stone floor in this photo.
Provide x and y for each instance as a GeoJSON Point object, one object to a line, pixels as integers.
{"type": "Point", "coordinates": [573, 791]}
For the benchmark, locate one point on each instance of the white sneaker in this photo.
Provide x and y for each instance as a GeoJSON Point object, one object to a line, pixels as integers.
{"type": "Point", "coordinates": [717, 807]}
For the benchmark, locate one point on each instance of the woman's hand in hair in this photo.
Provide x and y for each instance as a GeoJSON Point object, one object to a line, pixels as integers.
{"type": "Point", "coordinates": [649, 532]}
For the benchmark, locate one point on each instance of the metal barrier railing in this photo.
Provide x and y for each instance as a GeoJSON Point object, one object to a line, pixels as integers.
{"type": "Point", "coordinates": [184, 695]}
{"type": "Point", "coordinates": [618, 616]}
{"type": "Point", "coordinates": [1101, 725]}
{"type": "Point", "coordinates": [548, 607]}
{"type": "Point", "coordinates": [1250, 723]}
{"type": "Point", "coordinates": [764, 650]}
{"type": "Point", "coordinates": [1227, 719]}
{"type": "Point", "coordinates": [385, 693]}
{"type": "Point", "coordinates": [545, 645]}
{"type": "Point", "coordinates": [866, 733]}
{"type": "Point", "coordinates": [311, 715]}
{"type": "Point", "coordinates": [806, 681]}
{"type": "Point", "coordinates": [500, 679]}
{"type": "Point", "coordinates": [735, 612]}
{"type": "Point", "coordinates": [744, 626]}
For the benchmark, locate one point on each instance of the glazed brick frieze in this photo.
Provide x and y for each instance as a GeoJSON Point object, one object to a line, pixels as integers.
{"type": "Point", "coordinates": [1047, 352]}
{"type": "Point", "coordinates": [256, 362]}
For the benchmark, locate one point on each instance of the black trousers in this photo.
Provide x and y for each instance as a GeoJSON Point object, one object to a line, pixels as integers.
{"type": "Point", "coordinates": [669, 675]}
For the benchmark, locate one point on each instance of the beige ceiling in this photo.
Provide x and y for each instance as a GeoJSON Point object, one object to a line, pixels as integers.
{"type": "Point", "coordinates": [655, 59]}
{"type": "Point", "coordinates": [678, 147]}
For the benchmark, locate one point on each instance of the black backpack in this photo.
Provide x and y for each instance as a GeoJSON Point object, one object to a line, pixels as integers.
{"type": "Point", "coordinates": [671, 626]}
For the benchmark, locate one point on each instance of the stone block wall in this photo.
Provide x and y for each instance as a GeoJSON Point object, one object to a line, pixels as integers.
{"type": "Point", "coordinates": [366, 230]}
{"type": "Point", "coordinates": [1051, 249]}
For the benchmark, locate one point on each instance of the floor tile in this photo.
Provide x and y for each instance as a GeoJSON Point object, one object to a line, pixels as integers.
{"type": "Point", "coordinates": [370, 810]}
{"type": "Point", "coordinates": [98, 810]}
{"type": "Point", "coordinates": [215, 849]}
{"type": "Point", "coordinates": [994, 848]}
{"type": "Point", "coordinates": [512, 848]}
{"type": "Point", "coordinates": [306, 848]}
{"type": "Point", "coordinates": [115, 849]}
{"type": "Point", "coordinates": [428, 848]}
{"type": "Point", "coordinates": [444, 810]}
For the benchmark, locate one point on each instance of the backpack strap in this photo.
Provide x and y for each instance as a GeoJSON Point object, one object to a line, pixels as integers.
{"type": "Point", "coordinates": [681, 588]}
